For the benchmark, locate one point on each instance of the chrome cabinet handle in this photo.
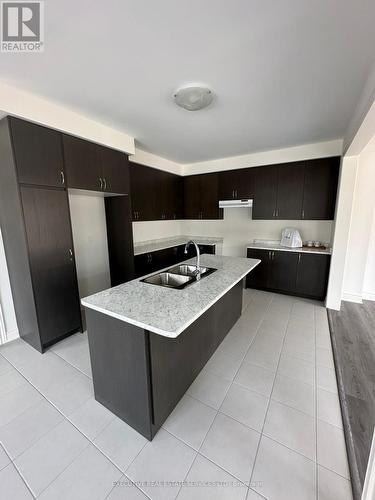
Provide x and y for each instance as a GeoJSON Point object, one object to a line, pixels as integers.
{"type": "Point", "coordinates": [299, 257]}
{"type": "Point", "coordinates": [274, 213]}
{"type": "Point", "coordinates": [62, 177]}
{"type": "Point", "coordinates": [101, 182]}
{"type": "Point", "coordinates": [277, 212]}
{"type": "Point", "coordinates": [105, 183]}
{"type": "Point", "coordinates": [71, 254]}
{"type": "Point", "coordinates": [303, 214]}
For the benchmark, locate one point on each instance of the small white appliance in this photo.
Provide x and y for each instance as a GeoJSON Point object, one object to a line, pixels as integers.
{"type": "Point", "coordinates": [291, 238]}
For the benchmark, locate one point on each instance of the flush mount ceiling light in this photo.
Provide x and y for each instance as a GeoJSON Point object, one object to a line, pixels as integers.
{"type": "Point", "coordinates": [193, 98]}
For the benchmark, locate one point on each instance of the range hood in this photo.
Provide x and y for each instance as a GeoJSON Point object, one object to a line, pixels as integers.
{"type": "Point", "coordinates": [235, 203]}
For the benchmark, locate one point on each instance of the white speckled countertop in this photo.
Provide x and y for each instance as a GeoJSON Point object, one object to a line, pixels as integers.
{"type": "Point", "coordinates": [167, 311]}
{"type": "Point", "coordinates": [160, 244]}
{"type": "Point", "coordinates": [275, 245]}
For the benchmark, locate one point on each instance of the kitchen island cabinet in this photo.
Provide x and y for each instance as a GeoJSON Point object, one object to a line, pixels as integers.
{"type": "Point", "coordinates": [148, 343]}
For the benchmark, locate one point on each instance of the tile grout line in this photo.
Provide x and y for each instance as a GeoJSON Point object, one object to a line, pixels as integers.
{"type": "Point", "coordinates": [316, 415]}
{"type": "Point", "coordinates": [14, 465]}
{"type": "Point", "coordinates": [71, 423]}
{"type": "Point", "coordinates": [217, 410]}
{"type": "Point", "coordinates": [277, 368]}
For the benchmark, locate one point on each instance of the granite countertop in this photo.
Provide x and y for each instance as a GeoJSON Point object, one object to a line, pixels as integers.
{"type": "Point", "coordinates": [275, 245]}
{"type": "Point", "coordinates": [160, 244]}
{"type": "Point", "coordinates": [167, 311]}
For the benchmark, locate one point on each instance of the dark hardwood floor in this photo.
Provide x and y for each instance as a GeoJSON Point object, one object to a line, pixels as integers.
{"type": "Point", "coordinates": [353, 342]}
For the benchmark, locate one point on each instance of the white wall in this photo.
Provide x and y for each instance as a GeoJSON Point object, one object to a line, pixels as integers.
{"type": "Point", "coordinates": [297, 153]}
{"type": "Point", "coordinates": [26, 105]}
{"type": "Point", "coordinates": [6, 299]}
{"type": "Point", "coordinates": [340, 230]}
{"type": "Point", "coordinates": [237, 228]}
{"type": "Point", "coordinates": [153, 230]}
{"type": "Point", "coordinates": [360, 228]}
{"type": "Point", "coordinates": [369, 279]}
{"type": "Point", "coordinates": [90, 243]}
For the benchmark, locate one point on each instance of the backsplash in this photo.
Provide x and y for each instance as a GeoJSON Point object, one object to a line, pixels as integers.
{"type": "Point", "coordinates": [237, 228]}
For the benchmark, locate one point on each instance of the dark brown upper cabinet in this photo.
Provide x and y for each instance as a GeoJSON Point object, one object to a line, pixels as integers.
{"type": "Point", "coordinates": [321, 179]}
{"type": "Point", "coordinates": [82, 164]}
{"type": "Point", "coordinates": [290, 189]}
{"type": "Point", "coordinates": [92, 167]}
{"type": "Point", "coordinates": [201, 197]}
{"type": "Point", "coordinates": [156, 195]}
{"type": "Point", "coordinates": [38, 154]}
{"type": "Point", "coordinates": [142, 187]}
{"type": "Point", "coordinates": [298, 190]}
{"type": "Point", "coordinates": [169, 196]}
{"type": "Point", "coordinates": [115, 171]}
{"type": "Point", "coordinates": [265, 192]}
{"type": "Point", "coordinates": [236, 184]}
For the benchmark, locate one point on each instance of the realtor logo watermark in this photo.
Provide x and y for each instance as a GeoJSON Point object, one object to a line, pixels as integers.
{"type": "Point", "coordinates": [22, 26]}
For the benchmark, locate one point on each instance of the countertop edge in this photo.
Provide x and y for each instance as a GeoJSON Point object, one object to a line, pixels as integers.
{"type": "Point", "coordinates": [166, 333]}
{"type": "Point", "coordinates": [315, 251]}
{"type": "Point", "coordinates": [149, 247]}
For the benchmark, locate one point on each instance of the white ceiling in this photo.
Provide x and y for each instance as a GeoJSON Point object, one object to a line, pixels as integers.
{"type": "Point", "coordinates": [284, 72]}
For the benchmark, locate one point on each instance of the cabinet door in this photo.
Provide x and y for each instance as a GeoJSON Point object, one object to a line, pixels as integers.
{"type": "Point", "coordinates": [265, 192]}
{"type": "Point", "coordinates": [209, 196]}
{"type": "Point", "coordinates": [143, 183]}
{"type": "Point", "coordinates": [258, 277]}
{"type": "Point", "coordinates": [283, 271]}
{"type": "Point", "coordinates": [178, 197]}
{"type": "Point", "coordinates": [164, 199]}
{"type": "Point", "coordinates": [319, 199]}
{"type": "Point", "coordinates": [38, 154]}
{"type": "Point", "coordinates": [120, 238]}
{"type": "Point", "coordinates": [115, 171]}
{"type": "Point", "coordinates": [192, 197]}
{"type": "Point", "coordinates": [49, 239]}
{"type": "Point", "coordinates": [312, 275]}
{"type": "Point", "coordinates": [236, 184]}
{"type": "Point", "coordinates": [290, 191]}
{"type": "Point", "coordinates": [82, 164]}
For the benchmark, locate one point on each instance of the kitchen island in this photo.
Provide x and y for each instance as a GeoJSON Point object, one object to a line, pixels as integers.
{"type": "Point", "coordinates": [148, 343]}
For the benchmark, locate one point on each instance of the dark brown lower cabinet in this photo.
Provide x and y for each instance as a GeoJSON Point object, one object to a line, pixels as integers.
{"type": "Point", "coordinates": [51, 256]}
{"type": "Point", "coordinates": [295, 273]}
{"type": "Point", "coordinates": [312, 274]}
{"type": "Point", "coordinates": [141, 376]}
{"type": "Point", "coordinates": [147, 263]}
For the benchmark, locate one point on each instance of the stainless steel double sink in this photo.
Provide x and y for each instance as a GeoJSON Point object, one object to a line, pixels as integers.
{"type": "Point", "coordinates": [178, 276]}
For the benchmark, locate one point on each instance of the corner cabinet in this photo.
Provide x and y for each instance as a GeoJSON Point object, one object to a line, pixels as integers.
{"type": "Point", "coordinates": [155, 194]}
{"type": "Point", "coordinates": [289, 272]}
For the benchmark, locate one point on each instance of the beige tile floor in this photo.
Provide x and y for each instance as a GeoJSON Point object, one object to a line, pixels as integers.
{"type": "Point", "coordinates": [262, 420]}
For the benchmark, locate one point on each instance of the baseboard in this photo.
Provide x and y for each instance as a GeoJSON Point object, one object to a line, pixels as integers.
{"type": "Point", "coordinates": [12, 335]}
{"type": "Point", "coordinates": [368, 296]}
{"type": "Point", "coordinates": [352, 297]}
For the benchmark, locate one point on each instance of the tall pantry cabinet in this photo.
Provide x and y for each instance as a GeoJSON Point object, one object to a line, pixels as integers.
{"type": "Point", "coordinates": [35, 222]}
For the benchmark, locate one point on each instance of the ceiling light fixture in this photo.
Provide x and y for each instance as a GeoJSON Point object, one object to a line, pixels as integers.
{"type": "Point", "coordinates": [193, 98]}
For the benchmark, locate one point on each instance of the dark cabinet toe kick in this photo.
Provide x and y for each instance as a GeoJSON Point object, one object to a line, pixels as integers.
{"type": "Point", "coordinates": [141, 376]}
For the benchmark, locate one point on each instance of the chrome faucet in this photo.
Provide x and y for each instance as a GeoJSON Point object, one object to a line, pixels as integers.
{"type": "Point", "coordinates": [197, 265]}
